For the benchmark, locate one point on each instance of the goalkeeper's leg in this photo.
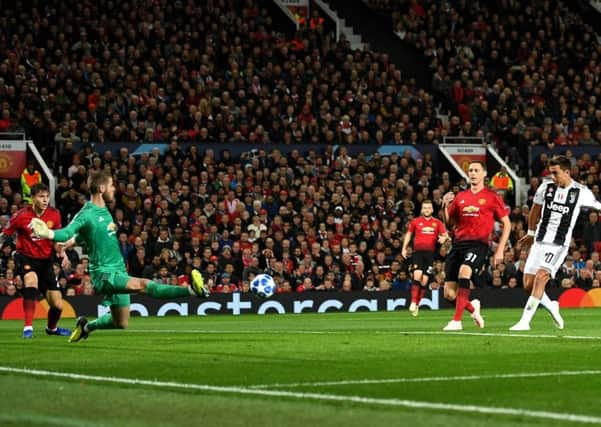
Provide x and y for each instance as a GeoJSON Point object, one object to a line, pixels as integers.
{"type": "Point", "coordinates": [162, 291]}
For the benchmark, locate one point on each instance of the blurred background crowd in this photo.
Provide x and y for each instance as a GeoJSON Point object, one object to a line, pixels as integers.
{"type": "Point", "coordinates": [75, 76]}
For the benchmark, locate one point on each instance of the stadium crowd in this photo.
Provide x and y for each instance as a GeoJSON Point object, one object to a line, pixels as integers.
{"type": "Point", "coordinates": [184, 75]}
{"type": "Point", "coordinates": [524, 73]}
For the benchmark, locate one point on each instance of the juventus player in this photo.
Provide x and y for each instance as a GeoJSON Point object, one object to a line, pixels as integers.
{"type": "Point", "coordinates": [557, 203]}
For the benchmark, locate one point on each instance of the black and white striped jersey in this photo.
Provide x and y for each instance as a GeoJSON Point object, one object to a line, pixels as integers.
{"type": "Point", "coordinates": [560, 209]}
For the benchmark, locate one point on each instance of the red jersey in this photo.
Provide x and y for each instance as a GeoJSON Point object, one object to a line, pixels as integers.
{"type": "Point", "coordinates": [474, 214]}
{"type": "Point", "coordinates": [27, 244]}
{"type": "Point", "coordinates": [425, 233]}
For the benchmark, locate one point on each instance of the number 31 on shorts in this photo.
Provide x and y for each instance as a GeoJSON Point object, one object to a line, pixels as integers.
{"type": "Point", "coordinates": [471, 257]}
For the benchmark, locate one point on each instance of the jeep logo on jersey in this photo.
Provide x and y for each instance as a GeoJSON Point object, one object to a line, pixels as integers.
{"type": "Point", "coordinates": [558, 208]}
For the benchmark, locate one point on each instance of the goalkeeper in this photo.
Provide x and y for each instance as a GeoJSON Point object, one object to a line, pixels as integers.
{"type": "Point", "coordinates": [93, 227]}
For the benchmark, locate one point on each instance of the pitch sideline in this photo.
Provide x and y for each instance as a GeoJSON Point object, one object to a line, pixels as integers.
{"type": "Point", "coordinates": [488, 410]}
{"type": "Point", "coordinates": [427, 379]}
{"type": "Point", "coordinates": [310, 332]}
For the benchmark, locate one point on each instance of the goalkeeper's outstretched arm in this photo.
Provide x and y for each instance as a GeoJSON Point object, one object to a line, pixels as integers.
{"type": "Point", "coordinates": [41, 230]}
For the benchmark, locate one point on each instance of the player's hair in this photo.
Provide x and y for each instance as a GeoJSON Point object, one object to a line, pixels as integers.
{"type": "Point", "coordinates": [96, 179]}
{"type": "Point", "coordinates": [39, 188]}
{"type": "Point", "coordinates": [562, 161]}
{"type": "Point", "coordinates": [480, 162]}
{"type": "Point", "coordinates": [428, 201]}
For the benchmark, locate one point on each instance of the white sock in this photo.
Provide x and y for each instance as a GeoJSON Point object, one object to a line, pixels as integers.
{"type": "Point", "coordinates": [28, 328]}
{"type": "Point", "coordinates": [546, 302]}
{"type": "Point", "coordinates": [529, 309]}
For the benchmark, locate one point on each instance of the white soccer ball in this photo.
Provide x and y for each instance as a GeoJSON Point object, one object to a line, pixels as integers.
{"type": "Point", "coordinates": [263, 285]}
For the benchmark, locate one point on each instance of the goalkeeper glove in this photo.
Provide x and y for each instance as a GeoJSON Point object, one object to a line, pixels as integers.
{"type": "Point", "coordinates": [40, 229]}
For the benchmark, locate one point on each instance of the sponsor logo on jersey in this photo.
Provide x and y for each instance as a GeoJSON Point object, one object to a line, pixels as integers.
{"type": "Point", "coordinates": [428, 230]}
{"type": "Point", "coordinates": [558, 208]}
{"type": "Point", "coordinates": [470, 209]}
{"type": "Point", "coordinates": [112, 228]}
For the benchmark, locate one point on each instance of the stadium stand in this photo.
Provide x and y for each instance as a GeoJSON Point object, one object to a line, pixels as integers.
{"type": "Point", "coordinates": [76, 76]}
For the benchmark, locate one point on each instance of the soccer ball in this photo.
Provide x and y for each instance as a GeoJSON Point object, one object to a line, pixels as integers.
{"type": "Point", "coordinates": [263, 285]}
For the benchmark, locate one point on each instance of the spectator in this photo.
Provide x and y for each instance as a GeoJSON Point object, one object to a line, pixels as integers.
{"type": "Point", "coordinates": [592, 232]}
{"type": "Point", "coordinates": [29, 177]}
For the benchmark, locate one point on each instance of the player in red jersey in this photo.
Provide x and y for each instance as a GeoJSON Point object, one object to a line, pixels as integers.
{"type": "Point", "coordinates": [34, 259]}
{"type": "Point", "coordinates": [427, 231]}
{"type": "Point", "coordinates": [472, 215]}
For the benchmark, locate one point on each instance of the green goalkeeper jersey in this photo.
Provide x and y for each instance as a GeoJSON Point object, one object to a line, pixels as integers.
{"type": "Point", "coordinates": [94, 227]}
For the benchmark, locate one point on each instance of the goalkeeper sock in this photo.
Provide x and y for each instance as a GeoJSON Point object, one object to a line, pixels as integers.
{"type": "Point", "coordinates": [103, 322]}
{"type": "Point", "coordinates": [158, 290]}
{"type": "Point", "coordinates": [28, 305]}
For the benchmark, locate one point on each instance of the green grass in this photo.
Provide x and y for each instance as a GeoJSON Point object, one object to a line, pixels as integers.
{"type": "Point", "coordinates": [213, 364]}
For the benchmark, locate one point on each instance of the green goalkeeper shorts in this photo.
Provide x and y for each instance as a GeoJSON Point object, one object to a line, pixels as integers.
{"type": "Point", "coordinates": [113, 285]}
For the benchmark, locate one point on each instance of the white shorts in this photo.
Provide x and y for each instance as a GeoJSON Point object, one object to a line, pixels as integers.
{"type": "Point", "coordinates": [546, 257]}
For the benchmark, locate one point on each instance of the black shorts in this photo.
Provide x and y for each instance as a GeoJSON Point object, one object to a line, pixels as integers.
{"type": "Point", "coordinates": [469, 252]}
{"type": "Point", "coordinates": [422, 260]}
{"type": "Point", "coordinates": [42, 267]}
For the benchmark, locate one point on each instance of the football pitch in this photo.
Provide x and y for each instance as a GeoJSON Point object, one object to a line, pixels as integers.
{"type": "Point", "coordinates": [333, 369]}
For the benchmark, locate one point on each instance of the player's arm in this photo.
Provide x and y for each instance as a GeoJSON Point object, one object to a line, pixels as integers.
{"type": "Point", "coordinates": [3, 237]}
{"type": "Point", "coordinates": [447, 200]}
{"type": "Point", "coordinates": [589, 201]}
{"type": "Point", "coordinates": [533, 218]}
{"type": "Point", "coordinates": [443, 238]}
{"type": "Point", "coordinates": [534, 215]}
{"type": "Point", "coordinates": [62, 256]}
{"type": "Point", "coordinates": [406, 240]}
{"type": "Point", "coordinates": [443, 235]}
{"type": "Point", "coordinates": [41, 230]}
{"type": "Point", "coordinates": [11, 228]}
{"type": "Point", "coordinates": [500, 251]}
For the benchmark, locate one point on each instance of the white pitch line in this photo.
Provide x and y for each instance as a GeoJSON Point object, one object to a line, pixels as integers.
{"type": "Point", "coordinates": [488, 410]}
{"type": "Point", "coordinates": [366, 331]}
{"type": "Point", "coordinates": [427, 379]}
{"type": "Point", "coordinates": [48, 420]}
